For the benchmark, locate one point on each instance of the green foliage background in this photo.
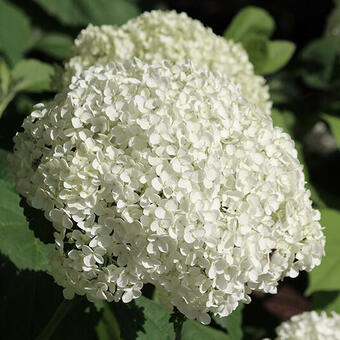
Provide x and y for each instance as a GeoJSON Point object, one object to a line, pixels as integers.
{"type": "Point", "coordinates": [35, 37]}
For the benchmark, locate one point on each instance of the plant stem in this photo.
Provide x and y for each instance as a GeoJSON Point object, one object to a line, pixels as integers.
{"type": "Point", "coordinates": [177, 318]}
{"type": "Point", "coordinates": [56, 319]}
{"type": "Point", "coordinates": [9, 97]}
{"type": "Point", "coordinates": [6, 101]}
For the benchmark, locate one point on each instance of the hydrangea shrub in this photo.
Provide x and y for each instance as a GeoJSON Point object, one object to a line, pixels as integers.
{"type": "Point", "coordinates": [166, 174]}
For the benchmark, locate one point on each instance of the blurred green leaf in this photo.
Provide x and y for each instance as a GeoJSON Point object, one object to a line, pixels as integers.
{"type": "Point", "coordinates": [5, 77]}
{"type": "Point", "coordinates": [283, 89]}
{"type": "Point", "coordinates": [255, 332]}
{"type": "Point", "coordinates": [17, 241]}
{"type": "Point", "coordinates": [320, 300]}
{"type": "Point", "coordinates": [334, 123]}
{"type": "Point", "coordinates": [321, 65]}
{"type": "Point", "coordinates": [279, 54]}
{"type": "Point", "coordinates": [110, 12]}
{"type": "Point", "coordinates": [330, 200]}
{"type": "Point", "coordinates": [232, 323]}
{"type": "Point", "coordinates": [83, 12]}
{"type": "Point", "coordinates": [284, 119]}
{"type": "Point", "coordinates": [257, 47]}
{"type": "Point", "coordinates": [267, 56]}
{"type": "Point", "coordinates": [36, 35]}
{"type": "Point", "coordinates": [250, 20]}
{"type": "Point", "coordinates": [15, 31]}
{"type": "Point", "coordinates": [55, 44]}
{"type": "Point", "coordinates": [333, 21]}
{"type": "Point", "coordinates": [24, 104]}
{"type": "Point", "coordinates": [32, 75]}
{"type": "Point", "coordinates": [29, 75]}
{"type": "Point", "coordinates": [326, 277]}
{"type": "Point", "coordinates": [68, 12]}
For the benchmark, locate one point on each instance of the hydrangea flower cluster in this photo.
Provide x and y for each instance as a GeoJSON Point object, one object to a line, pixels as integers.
{"type": "Point", "coordinates": [311, 326]}
{"type": "Point", "coordinates": [158, 35]}
{"type": "Point", "coordinates": [165, 174]}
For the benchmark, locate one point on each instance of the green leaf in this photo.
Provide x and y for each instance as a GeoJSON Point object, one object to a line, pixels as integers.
{"type": "Point", "coordinates": [193, 330]}
{"type": "Point", "coordinates": [323, 299]}
{"type": "Point", "coordinates": [143, 319]}
{"type": "Point", "coordinates": [321, 63]}
{"type": "Point", "coordinates": [24, 104]}
{"type": "Point", "coordinates": [5, 77]}
{"type": "Point", "coordinates": [110, 12]}
{"type": "Point", "coordinates": [326, 277]}
{"type": "Point", "coordinates": [36, 35]}
{"type": "Point", "coordinates": [32, 75]}
{"type": "Point", "coordinates": [334, 123]}
{"type": "Point", "coordinates": [55, 44]}
{"type": "Point", "coordinates": [83, 12]}
{"type": "Point", "coordinates": [250, 20]}
{"type": "Point", "coordinates": [282, 88]}
{"type": "Point", "coordinates": [15, 31]}
{"type": "Point", "coordinates": [279, 54]}
{"type": "Point", "coordinates": [4, 174]}
{"type": "Point", "coordinates": [232, 323]}
{"type": "Point", "coordinates": [284, 119]}
{"type": "Point", "coordinates": [257, 47]}
{"type": "Point", "coordinates": [17, 241]}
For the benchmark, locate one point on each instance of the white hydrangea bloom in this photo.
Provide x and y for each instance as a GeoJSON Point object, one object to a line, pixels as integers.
{"type": "Point", "coordinates": [310, 326]}
{"type": "Point", "coordinates": [159, 35]}
{"type": "Point", "coordinates": [165, 174]}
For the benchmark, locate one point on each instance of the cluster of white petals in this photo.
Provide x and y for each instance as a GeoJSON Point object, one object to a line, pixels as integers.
{"type": "Point", "coordinates": [158, 35]}
{"type": "Point", "coordinates": [310, 326]}
{"type": "Point", "coordinates": [165, 174]}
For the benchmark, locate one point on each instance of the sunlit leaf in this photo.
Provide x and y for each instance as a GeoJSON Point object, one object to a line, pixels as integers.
{"type": "Point", "coordinates": [32, 75]}
{"type": "Point", "coordinates": [279, 54]}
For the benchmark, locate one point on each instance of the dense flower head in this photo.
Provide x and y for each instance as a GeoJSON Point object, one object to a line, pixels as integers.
{"type": "Point", "coordinates": [158, 35]}
{"type": "Point", "coordinates": [310, 326]}
{"type": "Point", "coordinates": [165, 174]}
